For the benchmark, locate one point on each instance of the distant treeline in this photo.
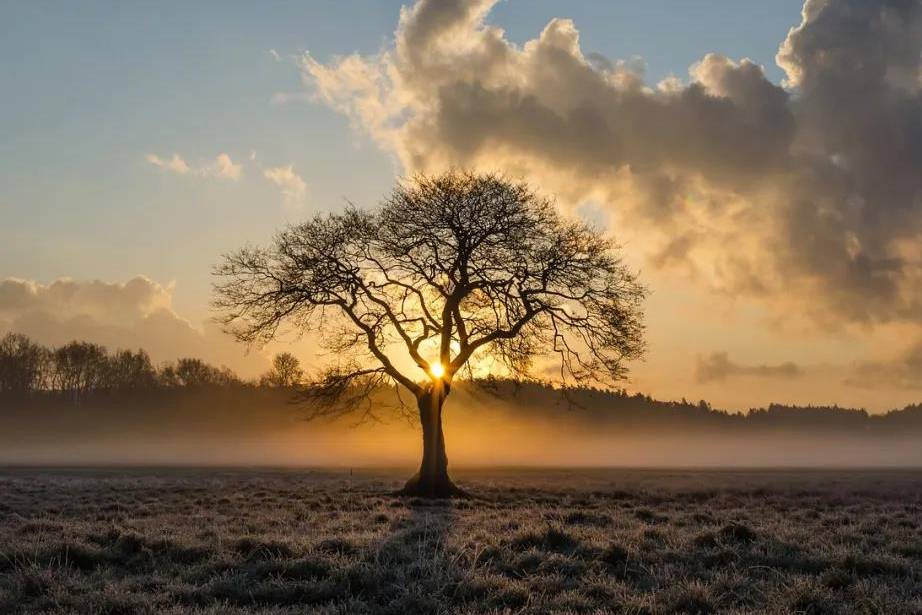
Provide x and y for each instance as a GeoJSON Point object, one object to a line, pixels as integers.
{"type": "Point", "coordinates": [619, 409]}
{"type": "Point", "coordinates": [79, 370]}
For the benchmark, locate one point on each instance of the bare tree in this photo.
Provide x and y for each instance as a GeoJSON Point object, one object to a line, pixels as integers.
{"type": "Point", "coordinates": [23, 365]}
{"type": "Point", "coordinates": [79, 368]}
{"type": "Point", "coordinates": [195, 373]}
{"type": "Point", "coordinates": [286, 372]}
{"type": "Point", "coordinates": [130, 371]}
{"type": "Point", "coordinates": [458, 271]}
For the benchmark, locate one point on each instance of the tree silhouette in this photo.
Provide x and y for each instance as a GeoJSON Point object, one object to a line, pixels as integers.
{"type": "Point", "coordinates": [23, 364]}
{"type": "Point", "coordinates": [450, 271]}
{"type": "Point", "coordinates": [80, 367]}
{"type": "Point", "coordinates": [286, 372]}
{"type": "Point", "coordinates": [192, 372]}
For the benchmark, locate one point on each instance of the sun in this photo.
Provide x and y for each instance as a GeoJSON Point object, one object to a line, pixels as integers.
{"type": "Point", "coordinates": [437, 370]}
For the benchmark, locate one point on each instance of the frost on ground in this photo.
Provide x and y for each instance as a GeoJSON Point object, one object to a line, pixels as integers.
{"type": "Point", "coordinates": [631, 541]}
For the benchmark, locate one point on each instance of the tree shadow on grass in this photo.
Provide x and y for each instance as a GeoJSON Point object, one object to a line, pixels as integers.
{"type": "Point", "coordinates": [415, 563]}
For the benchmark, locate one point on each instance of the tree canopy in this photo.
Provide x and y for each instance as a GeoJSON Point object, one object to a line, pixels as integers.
{"type": "Point", "coordinates": [447, 270]}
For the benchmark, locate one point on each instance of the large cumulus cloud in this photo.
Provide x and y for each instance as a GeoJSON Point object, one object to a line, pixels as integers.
{"type": "Point", "coordinates": [134, 314]}
{"type": "Point", "coordinates": [805, 194]}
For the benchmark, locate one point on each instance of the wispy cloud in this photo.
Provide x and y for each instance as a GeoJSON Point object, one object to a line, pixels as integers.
{"type": "Point", "coordinates": [718, 366]}
{"type": "Point", "coordinates": [293, 187]}
{"type": "Point", "coordinates": [176, 164]}
{"type": "Point", "coordinates": [284, 98]}
{"type": "Point", "coordinates": [222, 167]}
{"type": "Point", "coordinates": [901, 372]}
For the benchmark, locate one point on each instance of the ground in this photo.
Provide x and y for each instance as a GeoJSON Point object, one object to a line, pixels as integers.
{"type": "Point", "coordinates": [537, 541]}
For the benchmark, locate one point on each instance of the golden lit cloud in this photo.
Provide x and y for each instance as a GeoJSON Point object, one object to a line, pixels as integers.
{"type": "Point", "coordinates": [293, 187]}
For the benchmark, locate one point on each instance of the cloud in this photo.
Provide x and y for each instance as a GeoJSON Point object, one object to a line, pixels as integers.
{"type": "Point", "coordinates": [176, 164]}
{"type": "Point", "coordinates": [718, 366]}
{"type": "Point", "coordinates": [222, 167]}
{"type": "Point", "coordinates": [293, 187]}
{"type": "Point", "coordinates": [808, 199]}
{"type": "Point", "coordinates": [133, 314]}
{"type": "Point", "coordinates": [904, 372]}
{"type": "Point", "coordinates": [284, 98]}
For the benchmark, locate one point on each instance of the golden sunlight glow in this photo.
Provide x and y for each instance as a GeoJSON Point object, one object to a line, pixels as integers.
{"type": "Point", "coordinates": [437, 370]}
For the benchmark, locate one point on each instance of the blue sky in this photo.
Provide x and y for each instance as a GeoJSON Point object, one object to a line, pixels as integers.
{"type": "Point", "coordinates": [90, 88]}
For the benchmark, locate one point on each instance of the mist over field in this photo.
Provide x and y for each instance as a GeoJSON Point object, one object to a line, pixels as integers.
{"type": "Point", "coordinates": [518, 426]}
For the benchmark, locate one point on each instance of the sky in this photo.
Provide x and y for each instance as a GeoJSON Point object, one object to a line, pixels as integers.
{"type": "Point", "coordinates": [770, 201]}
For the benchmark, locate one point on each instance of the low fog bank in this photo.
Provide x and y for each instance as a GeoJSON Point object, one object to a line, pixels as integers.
{"type": "Point", "coordinates": [509, 426]}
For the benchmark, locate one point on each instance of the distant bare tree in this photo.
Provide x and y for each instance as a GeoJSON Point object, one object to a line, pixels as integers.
{"type": "Point", "coordinates": [78, 368]}
{"type": "Point", "coordinates": [286, 372]}
{"type": "Point", "coordinates": [448, 271]}
{"type": "Point", "coordinates": [23, 365]}
{"type": "Point", "coordinates": [130, 371]}
{"type": "Point", "coordinates": [195, 373]}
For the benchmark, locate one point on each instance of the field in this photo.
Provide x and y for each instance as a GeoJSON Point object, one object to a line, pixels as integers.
{"type": "Point", "coordinates": [536, 541]}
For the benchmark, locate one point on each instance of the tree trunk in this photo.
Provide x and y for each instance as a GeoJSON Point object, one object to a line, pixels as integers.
{"type": "Point", "coordinates": [432, 480]}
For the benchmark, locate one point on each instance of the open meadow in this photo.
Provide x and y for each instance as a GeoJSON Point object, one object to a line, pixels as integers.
{"type": "Point", "coordinates": [526, 541]}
